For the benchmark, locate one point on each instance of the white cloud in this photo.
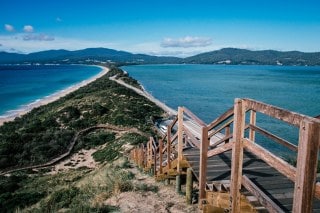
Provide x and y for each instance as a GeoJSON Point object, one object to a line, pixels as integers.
{"type": "Point", "coordinates": [186, 42]}
{"type": "Point", "coordinates": [28, 29]}
{"type": "Point", "coordinates": [36, 44]}
{"type": "Point", "coordinates": [37, 37]}
{"type": "Point", "coordinates": [58, 19]}
{"type": "Point", "coordinates": [8, 27]}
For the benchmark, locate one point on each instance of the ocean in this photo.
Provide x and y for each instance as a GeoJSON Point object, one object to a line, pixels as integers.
{"type": "Point", "coordinates": [209, 90]}
{"type": "Point", "coordinates": [22, 85]}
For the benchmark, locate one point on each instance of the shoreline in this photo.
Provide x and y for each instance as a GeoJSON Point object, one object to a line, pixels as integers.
{"type": "Point", "coordinates": [51, 98]}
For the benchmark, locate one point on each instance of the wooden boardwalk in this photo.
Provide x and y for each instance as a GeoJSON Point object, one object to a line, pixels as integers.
{"type": "Point", "coordinates": [226, 162]}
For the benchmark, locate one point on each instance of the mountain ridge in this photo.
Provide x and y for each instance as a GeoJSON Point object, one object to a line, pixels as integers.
{"type": "Point", "coordinates": [233, 56]}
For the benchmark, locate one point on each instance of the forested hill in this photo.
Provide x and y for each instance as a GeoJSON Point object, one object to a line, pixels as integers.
{"type": "Point", "coordinates": [263, 57]}
{"type": "Point", "coordinates": [223, 56]}
{"type": "Point", "coordinates": [86, 56]}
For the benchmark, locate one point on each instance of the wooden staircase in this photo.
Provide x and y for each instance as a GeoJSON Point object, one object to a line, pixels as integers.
{"type": "Point", "coordinates": [233, 172]}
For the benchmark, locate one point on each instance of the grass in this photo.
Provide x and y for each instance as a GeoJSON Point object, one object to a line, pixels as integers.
{"type": "Point", "coordinates": [71, 191]}
{"type": "Point", "coordinates": [146, 188]}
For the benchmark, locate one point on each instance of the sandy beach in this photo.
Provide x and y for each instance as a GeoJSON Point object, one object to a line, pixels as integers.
{"type": "Point", "coordinates": [51, 98]}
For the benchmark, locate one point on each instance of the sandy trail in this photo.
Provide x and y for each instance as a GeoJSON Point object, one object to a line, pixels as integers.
{"type": "Point", "coordinates": [144, 93]}
{"type": "Point", "coordinates": [164, 200]}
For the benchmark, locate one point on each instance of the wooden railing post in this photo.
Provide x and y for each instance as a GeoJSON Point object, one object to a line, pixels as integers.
{"type": "Point", "coordinates": [155, 161]}
{"type": "Point", "coordinates": [227, 132]}
{"type": "Point", "coordinates": [180, 137]}
{"type": "Point", "coordinates": [309, 140]}
{"type": "Point", "coordinates": [160, 155]}
{"type": "Point", "coordinates": [145, 157]}
{"type": "Point", "coordinates": [189, 186]}
{"type": "Point", "coordinates": [136, 155]}
{"type": "Point", "coordinates": [139, 156]}
{"type": "Point", "coordinates": [252, 132]}
{"type": "Point", "coordinates": [203, 164]}
{"type": "Point", "coordinates": [237, 155]}
{"type": "Point", "coordinates": [149, 153]}
{"type": "Point", "coordinates": [169, 146]}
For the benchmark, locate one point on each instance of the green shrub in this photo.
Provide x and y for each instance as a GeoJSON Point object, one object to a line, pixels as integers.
{"type": "Point", "coordinates": [61, 199]}
{"type": "Point", "coordinates": [146, 188]}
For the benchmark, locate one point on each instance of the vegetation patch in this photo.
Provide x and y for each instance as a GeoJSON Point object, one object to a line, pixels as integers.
{"type": "Point", "coordinates": [146, 188]}
{"type": "Point", "coordinates": [94, 139]}
{"type": "Point", "coordinates": [47, 131]}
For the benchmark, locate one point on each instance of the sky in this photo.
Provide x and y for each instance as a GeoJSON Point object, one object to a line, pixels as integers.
{"type": "Point", "coordinates": [162, 27]}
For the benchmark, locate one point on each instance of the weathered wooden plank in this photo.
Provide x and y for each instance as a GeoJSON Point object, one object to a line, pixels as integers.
{"type": "Point", "coordinates": [237, 155]}
{"type": "Point", "coordinates": [215, 131]}
{"type": "Point", "coordinates": [194, 117]}
{"type": "Point", "coordinates": [220, 119]}
{"type": "Point", "coordinates": [262, 197]}
{"type": "Point", "coordinates": [193, 139]}
{"type": "Point", "coordinates": [274, 161]}
{"type": "Point", "coordinates": [174, 137]}
{"type": "Point", "coordinates": [274, 137]}
{"type": "Point", "coordinates": [189, 186]}
{"type": "Point", "coordinates": [160, 156]}
{"type": "Point", "coordinates": [169, 146]}
{"type": "Point", "coordinates": [220, 149]}
{"type": "Point", "coordinates": [203, 163]}
{"type": "Point", "coordinates": [309, 140]}
{"type": "Point", "coordinates": [292, 118]}
{"type": "Point", "coordinates": [253, 118]}
{"type": "Point", "coordinates": [225, 139]}
{"type": "Point", "coordinates": [180, 137]}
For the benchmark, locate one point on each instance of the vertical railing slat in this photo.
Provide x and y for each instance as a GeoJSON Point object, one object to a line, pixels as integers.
{"type": "Point", "coordinates": [309, 140]}
{"type": "Point", "coordinates": [169, 146]}
{"type": "Point", "coordinates": [237, 155]}
{"type": "Point", "coordinates": [203, 164]}
{"type": "Point", "coordinates": [180, 137]}
{"type": "Point", "coordinates": [252, 132]}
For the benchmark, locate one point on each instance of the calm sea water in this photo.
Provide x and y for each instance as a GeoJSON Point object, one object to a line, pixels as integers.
{"type": "Point", "coordinates": [209, 90]}
{"type": "Point", "coordinates": [22, 85]}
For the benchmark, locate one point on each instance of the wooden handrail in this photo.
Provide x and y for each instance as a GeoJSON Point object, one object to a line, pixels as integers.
{"type": "Point", "coordinates": [287, 116]}
{"type": "Point", "coordinates": [221, 118]}
{"type": "Point", "coordinates": [220, 149]}
{"type": "Point", "coordinates": [282, 166]}
{"type": "Point", "coordinates": [260, 195]}
{"type": "Point", "coordinates": [226, 138]}
{"type": "Point", "coordinates": [174, 121]}
{"type": "Point", "coordinates": [220, 128]}
{"type": "Point", "coordinates": [175, 136]}
{"type": "Point", "coordinates": [194, 141]}
{"type": "Point", "coordinates": [194, 117]}
{"type": "Point", "coordinates": [275, 138]}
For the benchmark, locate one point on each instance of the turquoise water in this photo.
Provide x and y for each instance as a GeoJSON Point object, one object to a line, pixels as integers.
{"type": "Point", "coordinates": [209, 90]}
{"type": "Point", "coordinates": [22, 85]}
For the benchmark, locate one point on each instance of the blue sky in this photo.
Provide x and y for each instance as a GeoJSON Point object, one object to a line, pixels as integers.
{"type": "Point", "coordinates": [166, 27]}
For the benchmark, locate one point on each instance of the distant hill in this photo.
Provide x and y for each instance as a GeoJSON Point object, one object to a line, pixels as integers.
{"type": "Point", "coordinates": [263, 57]}
{"type": "Point", "coordinates": [84, 56]}
{"type": "Point", "coordinates": [223, 56]}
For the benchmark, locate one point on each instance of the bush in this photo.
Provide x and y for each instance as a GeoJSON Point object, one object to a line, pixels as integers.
{"type": "Point", "coordinates": [146, 188]}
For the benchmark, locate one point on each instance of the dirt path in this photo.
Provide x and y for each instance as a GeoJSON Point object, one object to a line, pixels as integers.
{"type": "Point", "coordinates": [73, 143]}
{"type": "Point", "coordinates": [144, 93]}
{"type": "Point", "coordinates": [164, 200]}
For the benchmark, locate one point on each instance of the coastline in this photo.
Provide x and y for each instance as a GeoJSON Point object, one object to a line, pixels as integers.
{"type": "Point", "coordinates": [51, 98]}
